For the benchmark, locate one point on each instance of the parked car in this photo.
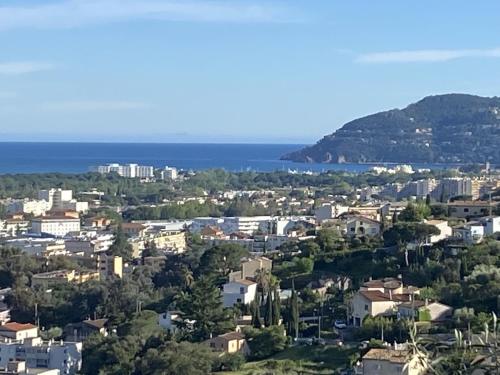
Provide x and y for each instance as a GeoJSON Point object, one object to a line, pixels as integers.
{"type": "Point", "coordinates": [340, 324]}
{"type": "Point", "coordinates": [304, 341]}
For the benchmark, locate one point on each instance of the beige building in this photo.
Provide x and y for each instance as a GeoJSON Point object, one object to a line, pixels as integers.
{"type": "Point", "coordinates": [232, 342]}
{"type": "Point", "coordinates": [134, 229]}
{"type": "Point", "coordinates": [250, 267]}
{"type": "Point", "coordinates": [48, 279]}
{"type": "Point", "coordinates": [109, 266]}
{"type": "Point", "coordinates": [393, 362]}
{"type": "Point", "coordinates": [173, 241]}
{"type": "Point", "coordinates": [375, 212]}
{"type": "Point", "coordinates": [358, 226]}
{"type": "Point", "coordinates": [467, 209]}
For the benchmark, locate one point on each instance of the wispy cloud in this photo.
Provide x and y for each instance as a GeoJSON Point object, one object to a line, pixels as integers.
{"type": "Point", "coordinates": [23, 67]}
{"type": "Point", "coordinates": [93, 105]}
{"type": "Point", "coordinates": [76, 13]}
{"type": "Point", "coordinates": [430, 55]}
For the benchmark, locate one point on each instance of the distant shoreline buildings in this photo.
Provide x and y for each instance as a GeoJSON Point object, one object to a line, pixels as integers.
{"type": "Point", "coordinates": [136, 171]}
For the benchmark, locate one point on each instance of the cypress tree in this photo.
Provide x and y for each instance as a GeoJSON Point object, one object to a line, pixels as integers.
{"type": "Point", "coordinates": [268, 319]}
{"type": "Point", "coordinates": [293, 326]}
{"type": "Point", "coordinates": [428, 200]}
{"type": "Point", "coordinates": [255, 308]}
{"type": "Point", "coordinates": [276, 307]}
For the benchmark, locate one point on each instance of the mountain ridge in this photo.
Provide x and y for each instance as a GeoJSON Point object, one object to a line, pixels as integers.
{"type": "Point", "coordinates": [447, 128]}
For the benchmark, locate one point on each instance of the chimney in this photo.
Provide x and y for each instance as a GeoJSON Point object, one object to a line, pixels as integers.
{"type": "Point", "coordinates": [390, 294]}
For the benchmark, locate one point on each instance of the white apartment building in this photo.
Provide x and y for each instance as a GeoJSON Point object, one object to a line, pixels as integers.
{"type": "Point", "coordinates": [169, 173]}
{"type": "Point", "coordinates": [126, 170]}
{"type": "Point", "coordinates": [246, 224]}
{"type": "Point", "coordinates": [28, 206]}
{"type": "Point", "coordinates": [20, 342]}
{"type": "Point", "coordinates": [56, 197]}
{"type": "Point", "coordinates": [59, 199]}
{"type": "Point", "coordinates": [58, 226]}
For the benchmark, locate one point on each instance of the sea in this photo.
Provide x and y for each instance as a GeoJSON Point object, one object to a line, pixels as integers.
{"type": "Point", "coordinates": [43, 157]}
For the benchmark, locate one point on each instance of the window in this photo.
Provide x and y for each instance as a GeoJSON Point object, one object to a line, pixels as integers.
{"type": "Point", "coordinates": [242, 290]}
{"type": "Point", "coordinates": [466, 210]}
{"type": "Point", "coordinates": [366, 307]}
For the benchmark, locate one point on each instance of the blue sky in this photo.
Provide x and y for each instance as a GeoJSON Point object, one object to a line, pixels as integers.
{"type": "Point", "coordinates": [232, 70]}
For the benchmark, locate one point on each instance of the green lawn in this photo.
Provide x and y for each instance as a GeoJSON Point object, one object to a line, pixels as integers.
{"type": "Point", "coordinates": [300, 359]}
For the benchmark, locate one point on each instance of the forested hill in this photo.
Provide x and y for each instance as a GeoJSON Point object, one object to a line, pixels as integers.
{"type": "Point", "coordinates": [451, 128]}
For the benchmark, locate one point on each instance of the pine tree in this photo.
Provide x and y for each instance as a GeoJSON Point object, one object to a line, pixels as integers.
{"type": "Point", "coordinates": [276, 307]}
{"type": "Point", "coordinates": [268, 320]}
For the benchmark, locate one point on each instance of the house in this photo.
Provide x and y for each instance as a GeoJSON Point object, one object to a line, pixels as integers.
{"type": "Point", "coordinates": [321, 286]}
{"type": "Point", "coordinates": [98, 222]}
{"type": "Point", "coordinates": [18, 331]}
{"type": "Point", "coordinates": [470, 233]}
{"type": "Point", "coordinates": [425, 310]}
{"type": "Point", "coordinates": [4, 313]}
{"type": "Point", "coordinates": [372, 303]}
{"type": "Point", "coordinates": [171, 320]}
{"type": "Point", "coordinates": [358, 226]}
{"type": "Point", "coordinates": [374, 212]}
{"type": "Point", "coordinates": [329, 211]}
{"type": "Point", "coordinates": [393, 362]}
{"type": "Point", "coordinates": [379, 297]}
{"type": "Point", "coordinates": [239, 291]}
{"type": "Point", "coordinates": [491, 224]}
{"type": "Point", "coordinates": [81, 331]}
{"type": "Point", "coordinates": [468, 209]}
{"type": "Point", "coordinates": [250, 268]}
{"type": "Point", "coordinates": [445, 231]}
{"type": "Point", "coordinates": [134, 229]}
{"type": "Point", "coordinates": [230, 343]}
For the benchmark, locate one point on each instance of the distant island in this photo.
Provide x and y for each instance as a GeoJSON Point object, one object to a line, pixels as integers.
{"type": "Point", "coordinates": [451, 128]}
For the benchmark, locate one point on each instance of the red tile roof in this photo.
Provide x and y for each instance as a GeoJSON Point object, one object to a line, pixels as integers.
{"type": "Point", "coordinates": [16, 327]}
